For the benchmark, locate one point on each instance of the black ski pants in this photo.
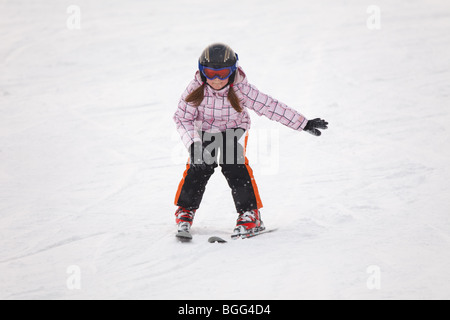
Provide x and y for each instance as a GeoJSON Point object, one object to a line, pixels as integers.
{"type": "Point", "coordinates": [227, 150]}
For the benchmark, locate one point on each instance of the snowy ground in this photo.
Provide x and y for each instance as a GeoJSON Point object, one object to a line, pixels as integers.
{"type": "Point", "coordinates": [90, 159]}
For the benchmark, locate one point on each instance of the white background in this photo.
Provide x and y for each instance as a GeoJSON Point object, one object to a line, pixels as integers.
{"type": "Point", "coordinates": [90, 159]}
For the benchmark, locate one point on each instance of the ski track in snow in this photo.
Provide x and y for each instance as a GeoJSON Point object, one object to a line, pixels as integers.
{"type": "Point", "coordinates": [90, 159]}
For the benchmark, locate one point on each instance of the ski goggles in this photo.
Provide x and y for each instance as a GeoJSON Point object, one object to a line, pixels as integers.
{"type": "Point", "coordinates": [212, 73]}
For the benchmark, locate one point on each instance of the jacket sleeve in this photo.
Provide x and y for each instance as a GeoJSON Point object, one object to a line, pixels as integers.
{"type": "Point", "coordinates": [185, 117]}
{"type": "Point", "coordinates": [265, 105]}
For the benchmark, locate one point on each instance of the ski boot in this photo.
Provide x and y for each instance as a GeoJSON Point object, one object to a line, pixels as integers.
{"type": "Point", "coordinates": [248, 224]}
{"type": "Point", "coordinates": [184, 219]}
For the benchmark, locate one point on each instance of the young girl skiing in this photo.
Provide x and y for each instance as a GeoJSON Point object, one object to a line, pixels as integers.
{"type": "Point", "coordinates": [211, 118]}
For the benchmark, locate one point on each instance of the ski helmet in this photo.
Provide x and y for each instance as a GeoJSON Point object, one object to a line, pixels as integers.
{"type": "Point", "coordinates": [218, 55]}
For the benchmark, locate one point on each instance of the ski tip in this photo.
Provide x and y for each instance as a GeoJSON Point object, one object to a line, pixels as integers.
{"type": "Point", "coordinates": [216, 239]}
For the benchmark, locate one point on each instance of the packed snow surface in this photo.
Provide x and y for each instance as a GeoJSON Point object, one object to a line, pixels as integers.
{"type": "Point", "coordinates": [90, 159]}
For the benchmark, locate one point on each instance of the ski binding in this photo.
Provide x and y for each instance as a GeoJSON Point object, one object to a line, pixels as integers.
{"type": "Point", "coordinates": [184, 236]}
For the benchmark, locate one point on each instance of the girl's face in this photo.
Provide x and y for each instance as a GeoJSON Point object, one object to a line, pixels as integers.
{"type": "Point", "coordinates": [217, 84]}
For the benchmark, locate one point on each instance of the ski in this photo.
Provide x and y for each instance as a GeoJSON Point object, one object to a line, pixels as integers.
{"type": "Point", "coordinates": [240, 236]}
{"type": "Point", "coordinates": [251, 234]}
{"type": "Point", "coordinates": [184, 236]}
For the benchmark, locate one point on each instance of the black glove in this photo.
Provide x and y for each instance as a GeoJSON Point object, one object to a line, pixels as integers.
{"type": "Point", "coordinates": [312, 126]}
{"type": "Point", "coordinates": [198, 157]}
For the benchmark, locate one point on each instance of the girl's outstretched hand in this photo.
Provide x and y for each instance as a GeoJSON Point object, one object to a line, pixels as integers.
{"type": "Point", "coordinates": [313, 126]}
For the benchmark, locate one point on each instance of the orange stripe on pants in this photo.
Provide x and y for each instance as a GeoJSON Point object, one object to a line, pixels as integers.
{"type": "Point", "coordinates": [180, 185]}
{"type": "Point", "coordinates": [252, 178]}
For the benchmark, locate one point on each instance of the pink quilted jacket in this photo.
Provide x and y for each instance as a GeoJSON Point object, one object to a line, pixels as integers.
{"type": "Point", "coordinates": [216, 114]}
